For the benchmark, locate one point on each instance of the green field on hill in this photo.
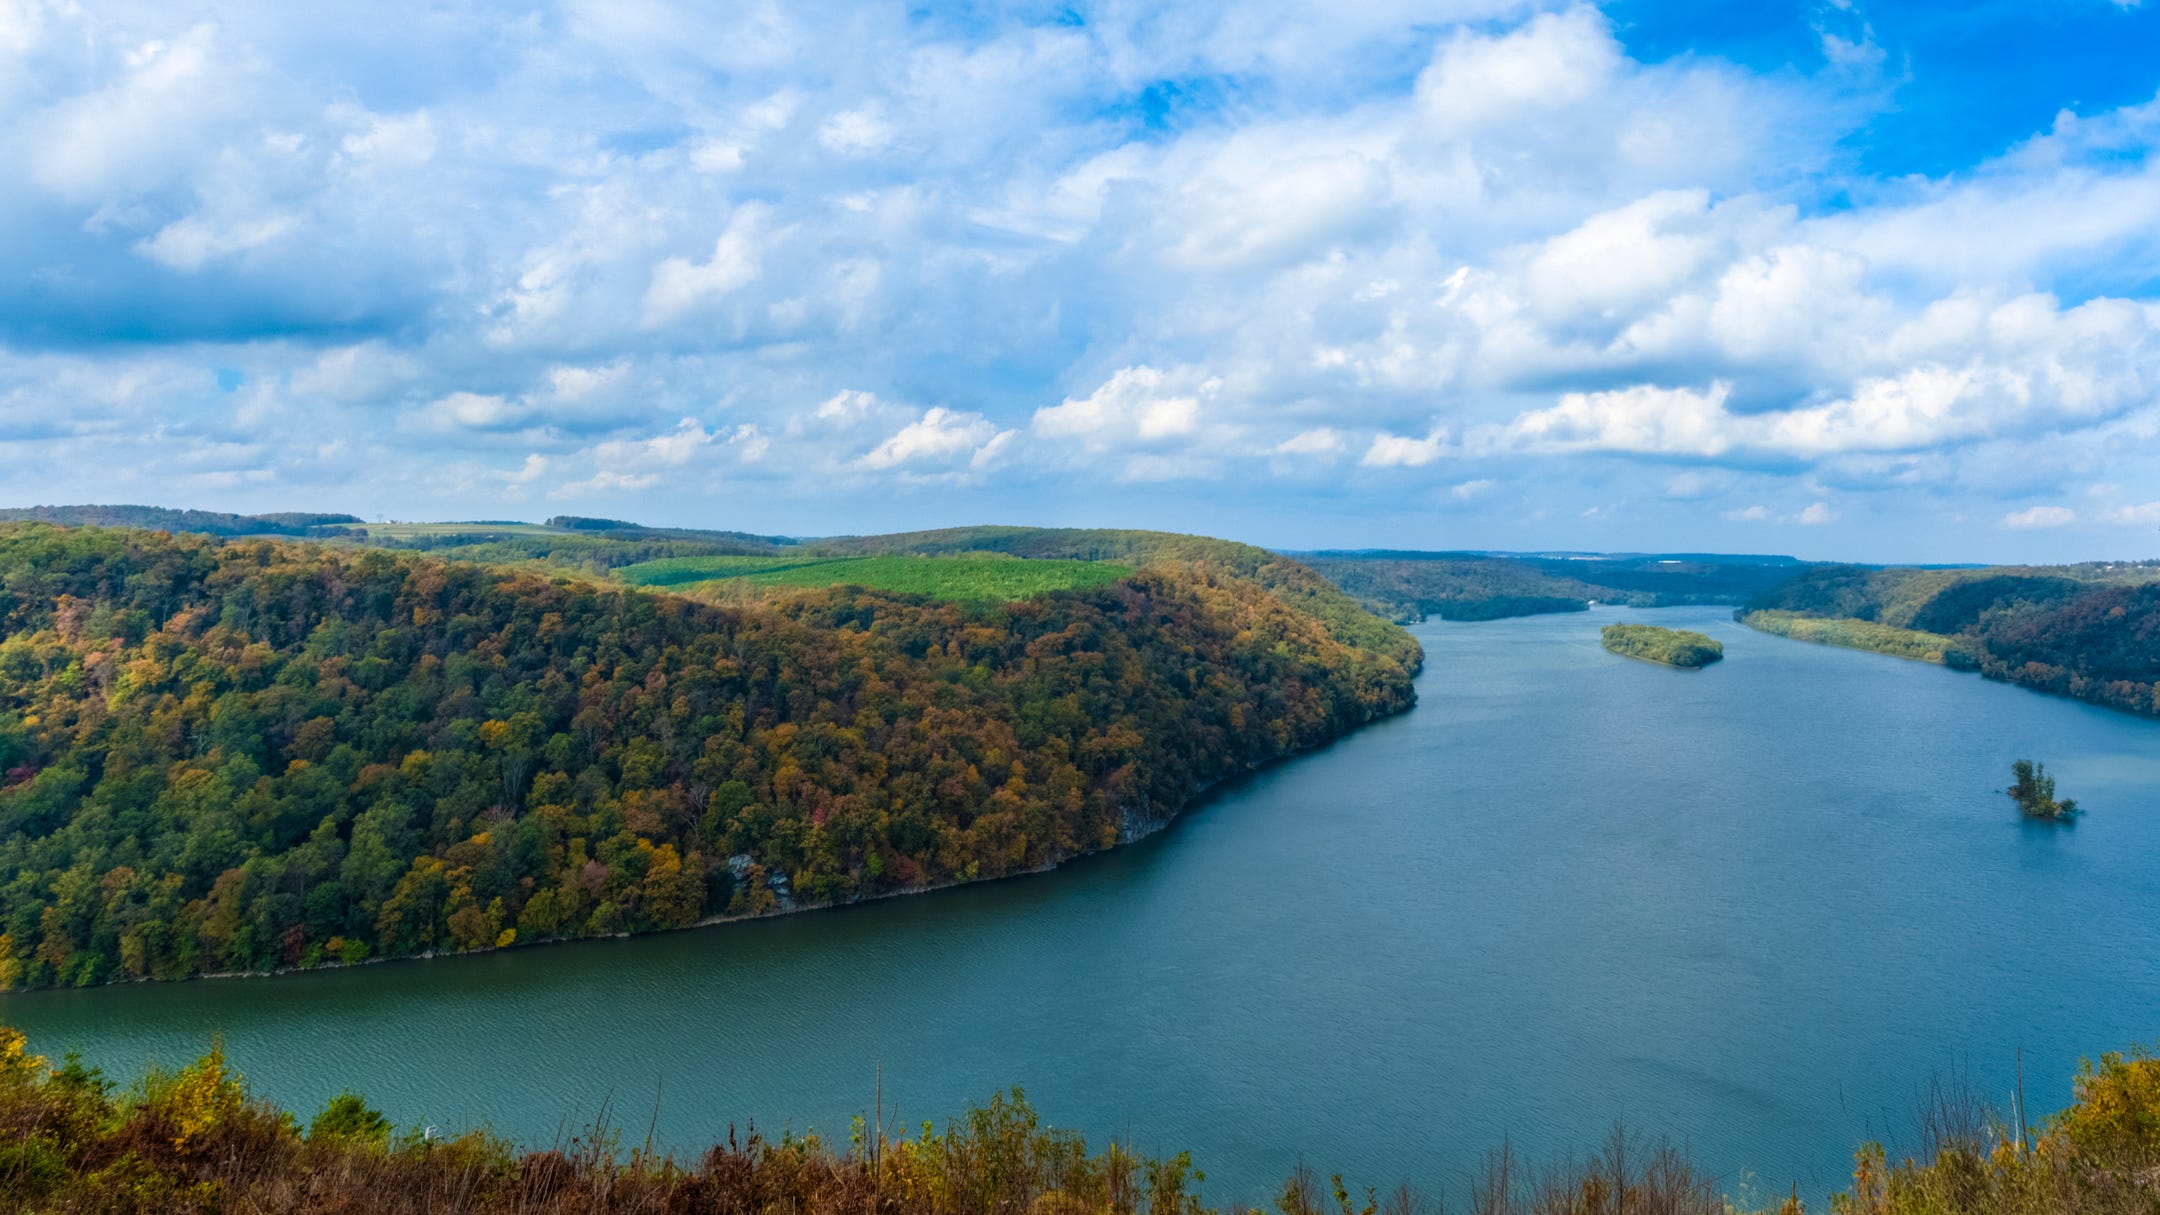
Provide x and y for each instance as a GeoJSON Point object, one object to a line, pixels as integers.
{"type": "Point", "coordinates": [973, 577]}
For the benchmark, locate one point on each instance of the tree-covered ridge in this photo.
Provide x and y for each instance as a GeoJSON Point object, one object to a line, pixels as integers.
{"type": "Point", "coordinates": [1410, 586]}
{"type": "Point", "coordinates": [236, 756]}
{"type": "Point", "coordinates": [1683, 648]}
{"type": "Point", "coordinates": [2088, 631]}
{"type": "Point", "coordinates": [570, 542]}
{"type": "Point", "coordinates": [159, 518]}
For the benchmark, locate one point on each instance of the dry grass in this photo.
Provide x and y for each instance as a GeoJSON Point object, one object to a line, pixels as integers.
{"type": "Point", "coordinates": [194, 1141]}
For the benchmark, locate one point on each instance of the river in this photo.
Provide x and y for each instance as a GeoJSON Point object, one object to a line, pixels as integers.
{"type": "Point", "coordinates": [1753, 907]}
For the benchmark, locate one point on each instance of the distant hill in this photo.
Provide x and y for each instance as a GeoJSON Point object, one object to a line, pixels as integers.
{"type": "Point", "coordinates": [1408, 585]}
{"type": "Point", "coordinates": [622, 529]}
{"type": "Point", "coordinates": [163, 519]}
{"type": "Point", "coordinates": [2089, 631]}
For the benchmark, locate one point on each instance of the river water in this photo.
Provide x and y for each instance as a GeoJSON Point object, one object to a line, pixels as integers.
{"type": "Point", "coordinates": [1753, 907]}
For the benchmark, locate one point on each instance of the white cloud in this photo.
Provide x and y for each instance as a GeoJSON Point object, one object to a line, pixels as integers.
{"type": "Point", "coordinates": [1817, 514]}
{"type": "Point", "coordinates": [468, 411]}
{"type": "Point", "coordinates": [2040, 516]}
{"type": "Point", "coordinates": [855, 133]}
{"type": "Point", "coordinates": [151, 117]}
{"type": "Point", "coordinates": [939, 436]}
{"type": "Point", "coordinates": [605, 482]}
{"type": "Point", "coordinates": [680, 285]}
{"type": "Point", "coordinates": [2143, 515]}
{"type": "Point", "coordinates": [848, 406]}
{"type": "Point", "coordinates": [1135, 405]}
{"type": "Point", "coordinates": [1361, 238]}
{"type": "Point", "coordinates": [1555, 60]}
{"type": "Point", "coordinates": [1400, 451]}
{"type": "Point", "coordinates": [1643, 419]}
{"type": "Point", "coordinates": [193, 242]}
{"type": "Point", "coordinates": [400, 140]}
{"type": "Point", "coordinates": [534, 467]}
{"type": "Point", "coordinates": [1319, 441]}
{"type": "Point", "coordinates": [672, 449]}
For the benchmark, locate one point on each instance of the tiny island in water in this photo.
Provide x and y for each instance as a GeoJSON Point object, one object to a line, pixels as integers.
{"type": "Point", "coordinates": [1683, 648]}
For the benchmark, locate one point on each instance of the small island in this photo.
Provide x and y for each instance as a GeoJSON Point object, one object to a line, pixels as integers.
{"type": "Point", "coordinates": [2034, 792]}
{"type": "Point", "coordinates": [1681, 648]}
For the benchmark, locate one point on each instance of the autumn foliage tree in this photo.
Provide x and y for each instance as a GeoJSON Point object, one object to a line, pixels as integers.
{"type": "Point", "coordinates": [235, 756]}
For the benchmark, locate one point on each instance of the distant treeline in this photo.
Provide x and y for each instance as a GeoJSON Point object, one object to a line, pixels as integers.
{"type": "Point", "coordinates": [621, 529]}
{"type": "Point", "coordinates": [196, 1141]}
{"type": "Point", "coordinates": [571, 542]}
{"type": "Point", "coordinates": [2088, 631]}
{"type": "Point", "coordinates": [158, 518]}
{"type": "Point", "coordinates": [234, 756]}
{"type": "Point", "coordinates": [589, 552]}
{"type": "Point", "coordinates": [575, 542]}
{"type": "Point", "coordinates": [1411, 586]}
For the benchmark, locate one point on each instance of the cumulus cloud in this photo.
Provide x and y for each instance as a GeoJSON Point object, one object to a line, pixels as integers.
{"type": "Point", "coordinates": [940, 436]}
{"type": "Point", "coordinates": [1288, 248]}
{"type": "Point", "coordinates": [467, 411]}
{"type": "Point", "coordinates": [1134, 404]}
{"type": "Point", "coordinates": [1402, 451]}
{"type": "Point", "coordinates": [1319, 441]}
{"type": "Point", "coordinates": [679, 284]}
{"type": "Point", "coordinates": [2039, 517]}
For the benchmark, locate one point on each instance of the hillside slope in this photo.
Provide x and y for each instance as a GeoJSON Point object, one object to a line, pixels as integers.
{"type": "Point", "coordinates": [237, 756]}
{"type": "Point", "coordinates": [2086, 631]}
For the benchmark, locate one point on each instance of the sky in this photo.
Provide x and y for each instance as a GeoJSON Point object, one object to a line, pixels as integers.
{"type": "Point", "coordinates": [1838, 278]}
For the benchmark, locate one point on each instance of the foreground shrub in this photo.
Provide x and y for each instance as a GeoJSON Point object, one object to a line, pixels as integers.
{"type": "Point", "coordinates": [196, 1141]}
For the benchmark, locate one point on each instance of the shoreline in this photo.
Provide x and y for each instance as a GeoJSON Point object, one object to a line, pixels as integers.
{"type": "Point", "coordinates": [1656, 662]}
{"type": "Point", "coordinates": [1134, 831]}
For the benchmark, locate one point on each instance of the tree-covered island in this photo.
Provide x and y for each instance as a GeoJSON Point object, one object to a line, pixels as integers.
{"type": "Point", "coordinates": [2034, 792]}
{"type": "Point", "coordinates": [1682, 648]}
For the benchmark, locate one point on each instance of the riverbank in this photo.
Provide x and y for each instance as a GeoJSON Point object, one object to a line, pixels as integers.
{"type": "Point", "coordinates": [1137, 824]}
{"type": "Point", "coordinates": [1865, 635]}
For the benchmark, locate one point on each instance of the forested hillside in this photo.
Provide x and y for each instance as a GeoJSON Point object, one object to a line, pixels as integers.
{"type": "Point", "coordinates": [225, 756]}
{"type": "Point", "coordinates": [1411, 586]}
{"type": "Point", "coordinates": [2088, 631]}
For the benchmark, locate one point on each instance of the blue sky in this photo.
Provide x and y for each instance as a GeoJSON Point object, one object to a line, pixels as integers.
{"type": "Point", "coordinates": [1842, 278]}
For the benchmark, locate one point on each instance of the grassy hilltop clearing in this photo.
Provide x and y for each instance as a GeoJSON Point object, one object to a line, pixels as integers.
{"type": "Point", "coordinates": [238, 755]}
{"type": "Point", "coordinates": [974, 579]}
{"type": "Point", "coordinates": [2087, 631]}
{"type": "Point", "coordinates": [1684, 648]}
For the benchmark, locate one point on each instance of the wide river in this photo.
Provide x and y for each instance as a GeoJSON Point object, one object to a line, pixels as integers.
{"type": "Point", "coordinates": [1753, 907]}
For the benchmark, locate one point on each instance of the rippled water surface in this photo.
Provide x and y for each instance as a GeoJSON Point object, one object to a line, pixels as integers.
{"type": "Point", "coordinates": [1754, 906]}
